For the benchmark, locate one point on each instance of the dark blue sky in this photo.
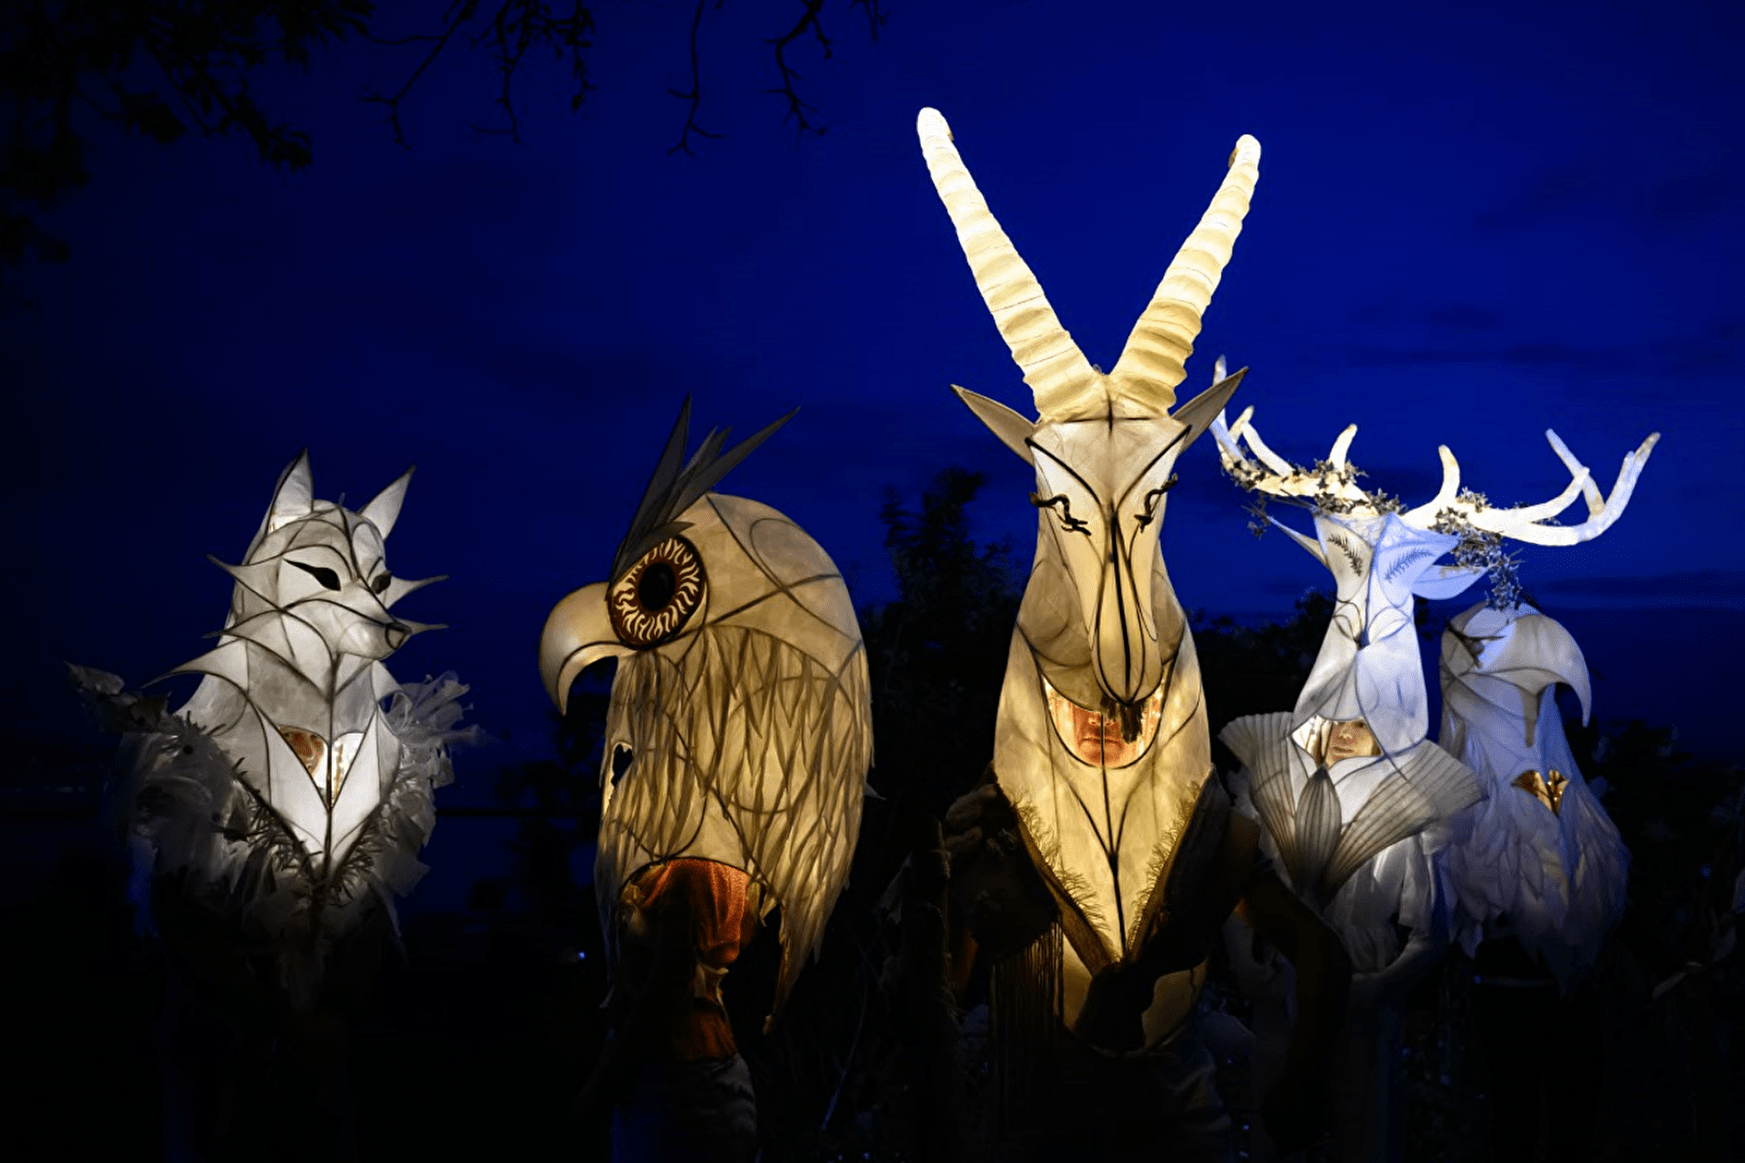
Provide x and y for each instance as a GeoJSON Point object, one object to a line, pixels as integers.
{"type": "Point", "coordinates": [1471, 225]}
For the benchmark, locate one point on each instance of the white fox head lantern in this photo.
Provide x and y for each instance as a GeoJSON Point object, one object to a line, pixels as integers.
{"type": "Point", "coordinates": [1101, 741]}
{"type": "Point", "coordinates": [741, 697]}
{"type": "Point", "coordinates": [294, 690]}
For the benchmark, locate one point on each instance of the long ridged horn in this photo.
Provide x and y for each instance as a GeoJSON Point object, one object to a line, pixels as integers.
{"type": "Point", "coordinates": [1151, 364]}
{"type": "Point", "coordinates": [1053, 366]}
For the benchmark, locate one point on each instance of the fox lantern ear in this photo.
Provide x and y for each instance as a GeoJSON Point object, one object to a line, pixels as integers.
{"type": "Point", "coordinates": [293, 496]}
{"type": "Point", "coordinates": [384, 509]}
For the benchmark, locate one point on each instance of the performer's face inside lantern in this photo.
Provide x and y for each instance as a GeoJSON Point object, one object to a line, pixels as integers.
{"type": "Point", "coordinates": [1095, 738]}
{"type": "Point", "coordinates": [1350, 739]}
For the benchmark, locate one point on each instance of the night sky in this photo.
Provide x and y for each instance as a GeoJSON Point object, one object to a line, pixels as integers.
{"type": "Point", "coordinates": [1469, 227]}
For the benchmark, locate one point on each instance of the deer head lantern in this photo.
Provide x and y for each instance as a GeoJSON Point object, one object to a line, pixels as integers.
{"type": "Point", "coordinates": [1102, 745]}
{"type": "Point", "coordinates": [1368, 669]}
{"type": "Point", "coordinates": [740, 702]}
{"type": "Point", "coordinates": [296, 783]}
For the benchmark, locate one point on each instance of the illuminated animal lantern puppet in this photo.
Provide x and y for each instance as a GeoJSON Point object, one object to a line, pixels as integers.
{"type": "Point", "coordinates": [742, 707]}
{"type": "Point", "coordinates": [1102, 756]}
{"type": "Point", "coordinates": [1357, 805]}
{"type": "Point", "coordinates": [289, 796]}
{"type": "Point", "coordinates": [1541, 878]}
{"type": "Point", "coordinates": [1544, 863]}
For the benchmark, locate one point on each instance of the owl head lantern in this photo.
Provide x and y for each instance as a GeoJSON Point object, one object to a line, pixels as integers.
{"type": "Point", "coordinates": [740, 702]}
{"type": "Point", "coordinates": [1101, 741]}
{"type": "Point", "coordinates": [1382, 556]}
{"type": "Point", "coordinates": [1543, 853]}
{"type": "Point", "coordinates": [296, 783]}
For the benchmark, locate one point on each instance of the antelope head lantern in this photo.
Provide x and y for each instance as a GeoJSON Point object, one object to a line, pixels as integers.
{"type": "Point", "coordinates": [1102, 745]}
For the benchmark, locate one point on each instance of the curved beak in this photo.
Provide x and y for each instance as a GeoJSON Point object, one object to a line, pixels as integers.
{"type": "Point", "coordinates": [577, 634]}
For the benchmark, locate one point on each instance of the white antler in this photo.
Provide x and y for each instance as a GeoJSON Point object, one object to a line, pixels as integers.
{"type": "Point", "coordinates": [1276, 476]}
{"type": "Point", "coordinates": [1524, 523]}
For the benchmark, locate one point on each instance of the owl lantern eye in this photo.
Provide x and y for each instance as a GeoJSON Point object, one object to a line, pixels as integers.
{"type": "Point", "coordinates": [657, 596]}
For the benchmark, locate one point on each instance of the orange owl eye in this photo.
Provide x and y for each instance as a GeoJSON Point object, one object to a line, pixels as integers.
{"type": "Point", "coordinates": [657, 596]}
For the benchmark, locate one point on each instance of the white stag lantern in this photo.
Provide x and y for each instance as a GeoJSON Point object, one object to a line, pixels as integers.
{"type": "Point", "coordinates": [740, 700]}
{"type": "Point", "coordinates": [1544, 863]}
{"type": "Point", "coordinates": [1329, 819]}
{"type": "Point", "coordinates": [1101, 742]}
{"type": "Point", "coordinates": [1354, 801]}
{"type": "Point", "coordinates": [297, 780]}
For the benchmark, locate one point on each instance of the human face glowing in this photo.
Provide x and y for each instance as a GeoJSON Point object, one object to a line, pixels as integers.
{"type": "Point", "coordinates": [1350, 739]}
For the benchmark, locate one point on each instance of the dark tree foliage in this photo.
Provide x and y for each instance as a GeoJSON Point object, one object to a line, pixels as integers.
{"type": "Point", "coordinates": [861, 1057]}
{"type": "Point", "coordinates": [938, 653]}
{"type": "Point", "coordinates": [165, 68]}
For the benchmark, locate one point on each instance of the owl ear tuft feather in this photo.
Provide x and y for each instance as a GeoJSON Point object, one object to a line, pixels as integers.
{"type": "Point", "coordinates": [672, 490]}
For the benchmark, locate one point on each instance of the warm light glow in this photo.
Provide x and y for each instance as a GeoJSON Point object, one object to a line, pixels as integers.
{"type": "Point", "coordinates": [1101, 744]}
{"type": "Point", "coordinates": [1351, 739]}
{"type": "Point", "coordinates": [1094, 737]}
{"type": "Point", "coordinates": [740, 698]}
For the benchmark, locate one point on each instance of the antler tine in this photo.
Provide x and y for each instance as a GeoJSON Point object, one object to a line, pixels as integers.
{"type": "Point", "coordinates": [1523, 524]}
{"type": "Point", "coordinates": [1425, 515]}
{"type": "Point", "coordinates": [1272, 460]}
{"type": "Point", "coordinates": [1226, 435]}
{"type": "Point", "coordinates": [1590, 489]}
{"type": "Point", "coordinates": [1341, 446]}
{"type": "Point", "coordinates": [1274, 475]}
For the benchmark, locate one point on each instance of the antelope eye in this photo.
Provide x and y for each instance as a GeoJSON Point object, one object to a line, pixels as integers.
{"type": "Point", "coordinates": [328, 579]}
{"type": "Point", "coordinates": [657, 596]}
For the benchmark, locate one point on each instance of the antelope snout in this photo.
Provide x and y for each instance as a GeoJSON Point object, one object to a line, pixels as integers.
{"type": "Point", "coordinates": [1129, 665]}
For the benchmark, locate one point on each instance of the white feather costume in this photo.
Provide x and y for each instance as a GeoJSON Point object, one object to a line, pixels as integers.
{"type": "Point", "coordinates": [291, 794]}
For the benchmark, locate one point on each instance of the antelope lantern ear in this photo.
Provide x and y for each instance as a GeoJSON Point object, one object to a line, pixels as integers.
{"type": "Point", "coordinates": [1011, 427]}
{"type": "Point", "coordinates": [1199, 412]}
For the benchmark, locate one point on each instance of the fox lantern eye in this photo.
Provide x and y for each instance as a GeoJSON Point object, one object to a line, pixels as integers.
{"type": "Point", "coordinates": [657, 596]}
{"type": "Point", "coordinates": [328, 579]}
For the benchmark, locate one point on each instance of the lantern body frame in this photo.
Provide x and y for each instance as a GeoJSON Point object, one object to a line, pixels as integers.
{"type": "Point", "coordinates": [294, 789]}
{"type": "Point", "coordinates": [741, 700]}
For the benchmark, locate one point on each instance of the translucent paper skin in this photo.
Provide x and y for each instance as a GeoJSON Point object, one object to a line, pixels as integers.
{"type": "Point", "coordinates": [1368, 841]}
{"type": "Point", "coordinates": [1101, 743]}
{"type": "Point", "coordinates": [747, 724]}
{"type": "Point", "coordinates": [1552, 874]}
{"type": "Point", "coordinates": [295, 786]}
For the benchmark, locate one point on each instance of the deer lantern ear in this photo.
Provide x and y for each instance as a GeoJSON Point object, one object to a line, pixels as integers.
{"type": "Point", "coordinates": [1011, 427]}
{"type": "Point", "coordinates": [293, 496]}
{"type": "Point", "coordinates": [384, 509]}
{"type": "Point", "coordinates": [1446, 581]}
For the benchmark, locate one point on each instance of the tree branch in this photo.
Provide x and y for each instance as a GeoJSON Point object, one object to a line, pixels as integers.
{"type": "Point", "coordinates": [694, 95]}
{"type": "Point", "coordinates": [463, 13]}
